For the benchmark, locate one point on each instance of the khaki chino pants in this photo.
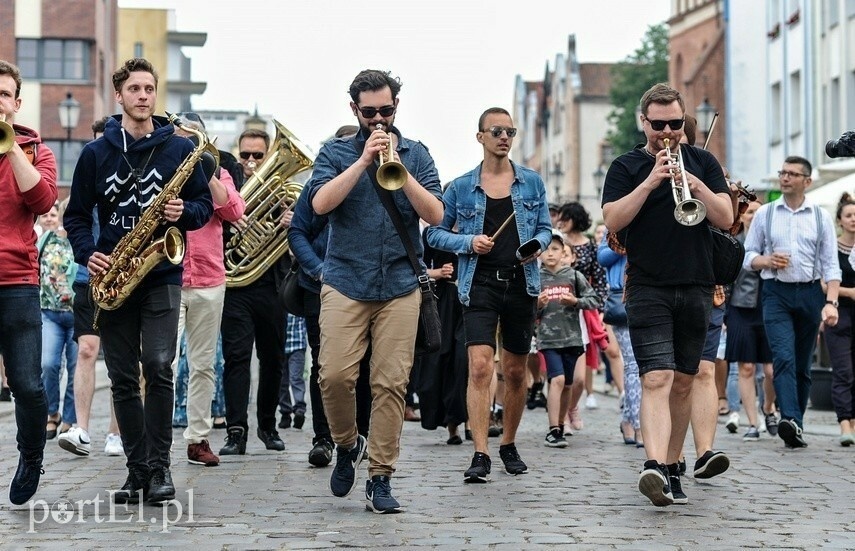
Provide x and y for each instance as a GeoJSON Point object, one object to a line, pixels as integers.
{"type": "Point", "coordinates": [347, 326]}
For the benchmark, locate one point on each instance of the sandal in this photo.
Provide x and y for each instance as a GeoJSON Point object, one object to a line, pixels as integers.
{"type": "Point", "coordinates": [723, 409]}
{"type": "Point", "coordinates": [52, 427]}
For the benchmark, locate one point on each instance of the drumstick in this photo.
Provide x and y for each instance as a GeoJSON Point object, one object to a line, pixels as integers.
{"type": "Point", "coordinates": [503, 226]}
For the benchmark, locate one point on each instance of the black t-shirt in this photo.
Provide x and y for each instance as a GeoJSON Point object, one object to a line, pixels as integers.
{"type": "Point", "coordinates": [660, 250]}
{"type": "Point", "coordinates": [848, 279]}
{"type": "Point", "coordinates": [504, 251]}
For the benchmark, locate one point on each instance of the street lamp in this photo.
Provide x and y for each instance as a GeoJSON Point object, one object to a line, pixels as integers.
{"type": "Point", "coordinates": [705, 113]}
{"type": "Point", "coordinates": [69, 114]}
{"type": "Point", "coordinates": [598, 180]}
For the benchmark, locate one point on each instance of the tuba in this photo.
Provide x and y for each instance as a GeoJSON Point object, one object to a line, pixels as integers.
{"type": "Point", "coordinates": [253, 250]}
{"type": "Point", "coordinates": [135, 255]}
{"type": "Point", "coordinates": [688, 211]}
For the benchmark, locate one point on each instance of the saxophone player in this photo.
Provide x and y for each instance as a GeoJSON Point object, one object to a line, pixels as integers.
{"type": "Point", "coordinates": [122, 173]}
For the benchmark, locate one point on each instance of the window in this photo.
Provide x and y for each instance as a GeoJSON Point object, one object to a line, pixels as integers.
{"type": "Point", "coordinates": [54, 59]}
{"type": "Point", "coordinates": [795, 103]}
{"type": "Point", "coordinates": [850, 9]}
{"type": "Point", "coordinates": [66, 154]}
{"type": "Point", "coordinates": [138, 49]}
{"type": "Point", "coordinates": [775, 114]}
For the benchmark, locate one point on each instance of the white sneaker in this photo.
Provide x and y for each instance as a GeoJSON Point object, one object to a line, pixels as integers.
{"type": "Point", "coordinates": [75, 440]}
{"type": "Point", "coordinates": [591, 402]}
{"type": "Point", "coordinates": [733, 422]}
{"type": "Point", "coordinates": [113, 445]}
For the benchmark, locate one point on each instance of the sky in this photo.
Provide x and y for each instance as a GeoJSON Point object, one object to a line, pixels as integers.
{"type": "Point", "coordinates": [455, 57]}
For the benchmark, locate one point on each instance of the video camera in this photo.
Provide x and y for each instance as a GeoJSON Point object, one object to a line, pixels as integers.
{"type": "Point", "coordinates": [844, 146]}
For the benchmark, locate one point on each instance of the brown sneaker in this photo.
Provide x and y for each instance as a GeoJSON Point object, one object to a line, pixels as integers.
{"type": "Point", "coordinates": [201, 454]}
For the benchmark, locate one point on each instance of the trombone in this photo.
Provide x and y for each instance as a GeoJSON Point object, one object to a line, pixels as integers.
{"type": "Point", "coordinates": [688, 211]}
{"type": "Point", "coordinates": [7, 135]}
{"type": "Point", "coordinates": [391, 174]}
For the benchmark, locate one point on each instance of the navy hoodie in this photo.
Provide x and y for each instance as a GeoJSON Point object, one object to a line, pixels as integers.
{"type": "Point", "coordinates": [104, 177]}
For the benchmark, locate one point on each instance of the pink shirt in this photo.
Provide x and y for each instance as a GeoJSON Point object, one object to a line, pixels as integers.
{"type": "Point", "coordinates": [203, 259]}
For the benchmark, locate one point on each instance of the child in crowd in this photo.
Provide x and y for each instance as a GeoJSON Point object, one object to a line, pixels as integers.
{"type": "Point", "coordinates": [564, 293]}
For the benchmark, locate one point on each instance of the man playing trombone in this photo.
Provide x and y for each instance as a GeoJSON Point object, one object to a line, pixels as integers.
{"type": "Point", "coordinates": [669, 274]}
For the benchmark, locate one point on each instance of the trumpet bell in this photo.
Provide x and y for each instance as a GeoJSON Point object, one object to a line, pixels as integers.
{"type": "Point", "coordinates": [690, 212]}
{"type": "Point", "coordinates": [7, 135]}
{"type": "Point", "coordinates": [391, 175]}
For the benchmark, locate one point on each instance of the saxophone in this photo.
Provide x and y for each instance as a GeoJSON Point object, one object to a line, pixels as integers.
{"type": "Point", "coordinates": [135, 255]}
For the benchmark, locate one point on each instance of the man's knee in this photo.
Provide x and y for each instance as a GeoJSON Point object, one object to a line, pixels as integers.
{"type": "Point", "coordinates": [657, 379]}
{"type": "Point", "coordinates": [481, 369]}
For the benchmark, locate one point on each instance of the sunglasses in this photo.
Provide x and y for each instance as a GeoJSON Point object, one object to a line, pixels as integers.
{"type": "Point", "coordinates": [496, 131]}
{"type": "Point", "coordinates": [782, 173]}
{"type": "Point", "coordinates": [659, 126]}
{"type": "Point", "coordinates": [257, 155]}
{"type": "Point", "coordinates": [370, 112]}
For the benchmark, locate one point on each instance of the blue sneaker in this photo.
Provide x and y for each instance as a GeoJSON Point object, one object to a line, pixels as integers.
{"type": "Point", "coordinates": [343, 478]}
{"type": "Point", "coordinates": [378, 494]}
{"type": "Point", "coordinates": [26, 480]}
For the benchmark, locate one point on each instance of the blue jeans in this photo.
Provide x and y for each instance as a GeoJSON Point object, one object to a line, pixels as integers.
{"type": "Point", "coordinates": [182, 378]}
{"type": "Point", "coordinates": [791, 314]}
{"type": "Point", "coordinates": [21, 341]}
{"type": "Point", "coordinates": [57, 333]}
{"type": "Point", "coordinates": [668, 325]}
{"type": "Point", "coordinates": [293, 384]}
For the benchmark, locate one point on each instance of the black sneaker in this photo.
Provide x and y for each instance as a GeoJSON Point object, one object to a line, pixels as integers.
{"type": "Point", "coordinates": [653, 483]}
{"type": "Point", "coordinates": [135, 486]}
{"type": "Point", "coordinates": [26, 480]}
{"type": "Point", "coordinates": [343, 478]}
{"type": "Point", "coordinates": [711, 464]}
{"type": "Point", "coordinates": [479, 470]}
{"type": "Point", "coordinates": [680, 498]}
{"type": "Point", "coordinates": [532, 401]}
{"type": "Point", "coordinates": [299, 420]}
{"type": "Point", "coordinates": [5, 394]}
{"type": "Point", "coordinates": [511, 458]}
{"type": "Point", "coordinates": [791, 434]}
{"type": "Point", "coordinates": [554, 439]}
{"type": "Point", "coordinates": [285, 422]}
{"type": "Point", "coordinates": [378, 494]}
{"type": "Point", "coordinates": [271, 439]}
{"type": "Point", "coordinates": [681, 464]}
{"type": "Point", "coordinates": [160, 486]}
{"type": "Point", "coordinates": [771, 424]}
{"type": "Point", "coordinates": [321, 454]}
{"type": "Point", "coordinates": [235, 442]}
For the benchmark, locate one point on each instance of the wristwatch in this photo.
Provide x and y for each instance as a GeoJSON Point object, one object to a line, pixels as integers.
{"type": "Point", "coordinates": [833, 303]}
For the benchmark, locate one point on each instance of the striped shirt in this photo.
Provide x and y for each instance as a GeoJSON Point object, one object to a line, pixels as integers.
{"type": "Point", "coordinates": [295, 334]}
{"type": "Point", "coordinates": [813, 251]}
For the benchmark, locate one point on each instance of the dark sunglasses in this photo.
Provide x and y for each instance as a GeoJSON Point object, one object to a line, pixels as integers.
{"type": "Point", "coordinates": [496, 131]}
{"type": "Point", "coordinates": [659, 126]}
{"type": "Point", "coordinates": [370, 112]}
{"type": "Point", "coordinates": [257, 155]}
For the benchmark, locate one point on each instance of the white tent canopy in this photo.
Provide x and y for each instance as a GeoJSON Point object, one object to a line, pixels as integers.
{"type": "Point", "coordinates": [828, 195]}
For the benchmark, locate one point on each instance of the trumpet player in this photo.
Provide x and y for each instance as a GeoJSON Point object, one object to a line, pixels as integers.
{"type": "Point", "coordinates": [670, 281]}
{"type": "Point", "coordinates": [123, 173]}
{"type": "Point", "coordinates": [28, 188]}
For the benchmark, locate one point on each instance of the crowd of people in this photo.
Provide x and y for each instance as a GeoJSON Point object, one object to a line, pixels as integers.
{"type": "Point", "coordinates": [531, 304]}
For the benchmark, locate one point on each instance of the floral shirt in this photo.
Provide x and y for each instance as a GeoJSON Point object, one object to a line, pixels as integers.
{"type": "Point", "coordinates": [56, 272]}
{"type": "Point", "coordinates": [587, 265]}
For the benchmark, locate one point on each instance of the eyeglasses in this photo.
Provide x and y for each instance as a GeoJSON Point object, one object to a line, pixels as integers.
{"type": "Point", "coordinates": [782, 173]}
{"type": "Point", "coordinates": [496, 131]}
{"type": "Point", "coordinates": [659, 126]}
{"type": "Point", "coordinates": [257, 155]}
{"type": "Point", "coordinates": [370, 112]}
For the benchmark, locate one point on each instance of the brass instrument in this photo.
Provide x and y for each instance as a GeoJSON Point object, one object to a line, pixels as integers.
{"type": "Point", "coordinates": [133, 257]}
{"type": "Point", "coordinates": [257, 247]}
{"type": "Point", "coordinates": [7, 135]}
{"type": "Point", "coordinates": [688, 211]}
{"type": "Point", "coordinates": [391, 174]}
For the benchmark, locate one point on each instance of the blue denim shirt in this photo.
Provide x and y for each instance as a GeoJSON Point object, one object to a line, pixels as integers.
{"type": "Point", "coordinates": [307, 238]}
{"type": "Point", "coordinates": [366, 259]}
{"type": "Point", "coordinates": [466, 204]}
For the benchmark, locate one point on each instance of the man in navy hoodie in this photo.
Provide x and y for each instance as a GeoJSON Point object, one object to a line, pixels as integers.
{"type": "Point", "coordinates": [27, 188]}
{"type": "Point", "coordinates": [122, 173]}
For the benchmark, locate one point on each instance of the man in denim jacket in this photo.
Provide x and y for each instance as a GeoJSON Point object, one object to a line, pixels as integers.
{"type": "Point", "coordinates": [370, 290]}
{"type": "Point", "coordinates": [496, 207]}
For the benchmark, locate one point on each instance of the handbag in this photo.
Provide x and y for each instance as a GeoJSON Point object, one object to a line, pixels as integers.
{"type": "Point", "coordinates": [614, 311]}
{"type": "Point", "coordinates": [429, 332]}
{"type": "Point", "coordinates": [291, 293]}
{"type": "Point", "coordinates": [727, 257]}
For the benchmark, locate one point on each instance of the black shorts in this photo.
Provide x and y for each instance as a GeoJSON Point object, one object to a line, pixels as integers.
{"type": "Point", "coordinates": [84, 311]}
{"type": "Point", "coordinates": [505, 304]}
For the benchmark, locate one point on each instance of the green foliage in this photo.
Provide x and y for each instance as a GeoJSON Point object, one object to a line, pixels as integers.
{"type": "Point", "coordinates": [630, 79]}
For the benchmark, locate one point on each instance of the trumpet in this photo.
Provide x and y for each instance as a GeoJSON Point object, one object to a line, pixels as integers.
{"type": "Point", "coordinates": [7, 135]}
{"type": "Point", "coordinates": [391, 174]}
{"type": "Point", "coordinates": [688, 211]}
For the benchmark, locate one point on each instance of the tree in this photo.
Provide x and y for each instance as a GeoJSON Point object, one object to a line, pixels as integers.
{"type": "Point", "coordinates": [630, 79]}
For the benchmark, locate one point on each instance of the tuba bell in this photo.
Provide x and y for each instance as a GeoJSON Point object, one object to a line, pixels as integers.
{"type": "Point", "coordinates": [7, 135]}
{"type": "Point", "coordinates": [268, 195]}
{"type": "Point", "coordinates": [687, 211]}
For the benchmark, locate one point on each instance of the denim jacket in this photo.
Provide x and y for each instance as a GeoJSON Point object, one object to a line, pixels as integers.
{"type": "Point", "coordinates": [466, 204]}
{"type": "Point", "coordinates": [307, 238]}
{"type": "Point", "coordinates": [366, 259]}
